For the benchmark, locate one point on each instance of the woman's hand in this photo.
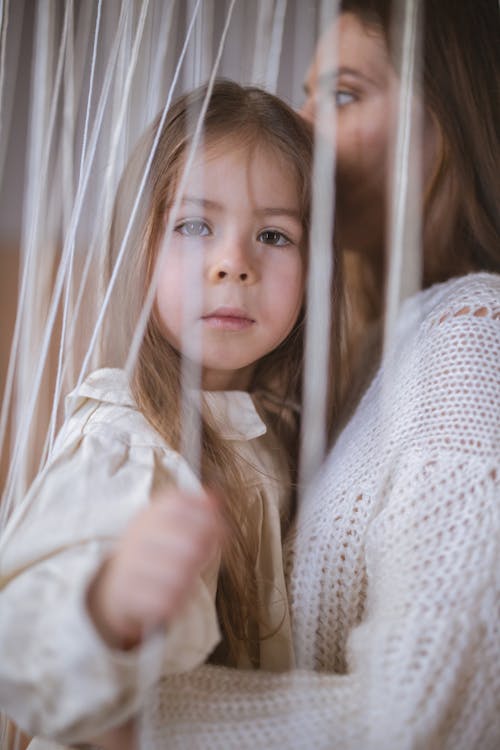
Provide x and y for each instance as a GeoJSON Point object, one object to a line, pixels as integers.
{"type": "Point", "coordinates": [151, 573]}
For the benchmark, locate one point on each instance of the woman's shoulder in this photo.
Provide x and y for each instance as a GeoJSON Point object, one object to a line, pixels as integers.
{"type": "Point", "coordinates": [450, 320]}
{"type": "Point", "coordinates": [459, 316]}
{"type": "Point", "coordinates": [446, 378]}
{"type": "Point", "coordinates": [476, 294]}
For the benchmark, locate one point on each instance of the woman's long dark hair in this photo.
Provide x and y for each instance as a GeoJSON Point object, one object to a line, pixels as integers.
{"type": "Point", "coordinates": [461, 82]}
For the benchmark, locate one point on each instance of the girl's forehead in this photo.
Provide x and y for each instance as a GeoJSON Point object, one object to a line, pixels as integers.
{"type": "Point", "coordinates": [227, 173]}
{"type": "Point", "coordinates": [244, 153]}
{"type": "Point", "coordinates": [245, 149]}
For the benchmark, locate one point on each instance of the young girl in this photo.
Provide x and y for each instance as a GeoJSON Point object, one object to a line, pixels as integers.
{"type": "Point", "coordinates": [111, 574]}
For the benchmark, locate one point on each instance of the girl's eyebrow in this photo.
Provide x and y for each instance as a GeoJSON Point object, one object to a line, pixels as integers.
{"type": "Point", "coordinates": [203, 202]}
{"type": "Point", "coordinates": [278, 211]}
{"type": "Point", "coordinates": [271, 211]}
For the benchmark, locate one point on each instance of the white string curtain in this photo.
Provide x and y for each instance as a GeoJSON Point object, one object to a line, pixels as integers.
{"type": "Point", "coordinates": [100, 70]}
{"type": "Point", "coordinates": [321, 269]}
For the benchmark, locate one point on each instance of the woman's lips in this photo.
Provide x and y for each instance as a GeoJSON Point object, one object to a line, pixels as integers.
{"type": "Point", "coordinates": [228, 319]}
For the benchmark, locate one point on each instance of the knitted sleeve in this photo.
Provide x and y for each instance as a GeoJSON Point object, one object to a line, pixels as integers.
{"type": "Point", "coordinates": [422, 665]}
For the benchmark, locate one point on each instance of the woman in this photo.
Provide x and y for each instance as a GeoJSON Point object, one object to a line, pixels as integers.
{"type": "Point", "coordinates": [392, 571]}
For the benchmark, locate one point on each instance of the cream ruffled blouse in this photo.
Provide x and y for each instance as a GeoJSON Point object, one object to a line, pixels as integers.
{"type": "Point", "coordinates": [104, 466]}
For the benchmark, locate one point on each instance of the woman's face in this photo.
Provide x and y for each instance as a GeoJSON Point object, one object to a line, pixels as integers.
{"type": "Point", "coordinates": [365, 87]}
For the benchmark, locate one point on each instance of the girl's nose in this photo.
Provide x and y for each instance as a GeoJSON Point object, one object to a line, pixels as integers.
{"type": "Point", "coordinates": [236, 266]}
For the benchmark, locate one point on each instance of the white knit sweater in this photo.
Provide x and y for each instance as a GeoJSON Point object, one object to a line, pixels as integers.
{"type": "Point", "coordinates": [393, 573]}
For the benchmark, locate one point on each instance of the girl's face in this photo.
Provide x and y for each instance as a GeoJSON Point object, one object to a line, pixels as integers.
{"type": "Point", "coordinates": [366, 91]}
{"type": "Point", "coordinates": [231, 284]}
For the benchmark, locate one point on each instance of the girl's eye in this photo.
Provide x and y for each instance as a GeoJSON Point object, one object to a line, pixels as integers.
{"type": "Point", "coordinates": [193, 228]}
{"type": "Point", "coordinates": [273, 237]}
{"type": "Point", "coordinates": [342, 98]}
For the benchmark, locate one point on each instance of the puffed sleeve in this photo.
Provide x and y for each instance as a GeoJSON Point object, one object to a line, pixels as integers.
{"type": "Point", "coordinates": [57, 677]}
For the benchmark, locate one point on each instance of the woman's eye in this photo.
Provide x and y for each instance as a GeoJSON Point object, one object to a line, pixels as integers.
{"type": "Point", "coordinates": [342, 98]}
{"type": "Point", "coordinates": [193, 228]}
{"type": "Point", "coordinates": [273, 237]}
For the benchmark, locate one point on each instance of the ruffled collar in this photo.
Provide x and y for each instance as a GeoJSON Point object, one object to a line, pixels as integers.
{"type": "Point", "coordinates": [233, 413]}
{"type": "Point", "coordinates": [109, 385]}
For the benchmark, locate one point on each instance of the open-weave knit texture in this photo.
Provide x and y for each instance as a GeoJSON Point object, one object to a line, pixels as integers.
{"type": "Point", "coordinates": [393, 571]}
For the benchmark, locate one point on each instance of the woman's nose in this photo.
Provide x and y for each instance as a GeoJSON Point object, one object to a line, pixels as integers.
{"type": "Point", "coordinates": [236, 265]}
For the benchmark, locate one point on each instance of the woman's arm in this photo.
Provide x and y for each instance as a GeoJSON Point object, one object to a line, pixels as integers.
{"type": "Point", "coordinates": [422, 666]}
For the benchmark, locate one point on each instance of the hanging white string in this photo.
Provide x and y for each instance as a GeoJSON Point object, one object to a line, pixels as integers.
{"type": "Point", "coordinates": [191, 342]}
{"type": "Point", "coordinates": [405, 241]}
{"type": "Point", "coordinates": [273, 65]}
{"type": "Point", "coordinates": [158, 59]}
{"type": "Point", "coordinates": [404, 270]}
{"type": "Point", "coordinates": [117, 132]}
{"type": "Point", "coordinates": [320, 271]}
{"type": "Point", "coordinates": [190, 423]}
{"type": "Point", "coordinates": [36, 167]}
{"type": "Point", "coordinates": [192, 269]}
{"type": "Point", "coordinates": [56, 290]}
{"type": "Point", "coordinates": [4, 20]}
{"type": "Point", "coordinates": [12, 28]}
{"type": "Point", "coordinates": [68, 125]}
{"type": "Point", "coordinates": [64, 338]}
{"type": "Point", "coordinates": [190, 348]}
{"type": "Point", "coordinates": [206, 51]}
{"type": "Point", "coordinates": [124, 95]}
{"type": "Point", "coordinates": [42, 236]}
{"type": "Point", "coordinates": [149, 299]}
{"type": "Point", "coordinates": [35, 156]}
{"type": "Point", "coordinates": [193, 69]}
{"type": "Point", "coordinates": [91, 255]}
{"type": "Point", "coordinates": [263, 35]}
{"type": "Point", "coordinates": [67, 181]}
{"type": "Point", "coordinates": [27, 414]}
{"type": "Point", "coordinates": [117, 144]}
{"type": "Point", "coordinates": [38, 175]}
{"type": "Point", "coordinates": [140, 191]}
{"type": "Point", "coordinates": [318, 296]}
{"type": "Point", "coordinates": [91, 86]}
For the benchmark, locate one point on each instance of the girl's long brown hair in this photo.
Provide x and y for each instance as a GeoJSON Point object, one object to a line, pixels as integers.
{"type": "Point", "coordinates": [235, 116]}
{"type": "Point", "coordinates": [461, 87]}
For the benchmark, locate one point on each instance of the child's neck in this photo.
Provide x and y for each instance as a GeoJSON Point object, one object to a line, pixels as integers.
{"type": "Point", "coordinates": [227, 380]}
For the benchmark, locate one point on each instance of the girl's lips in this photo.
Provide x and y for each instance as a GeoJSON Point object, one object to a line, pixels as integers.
{"type": "Point", "coordinates": [228, 319]}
